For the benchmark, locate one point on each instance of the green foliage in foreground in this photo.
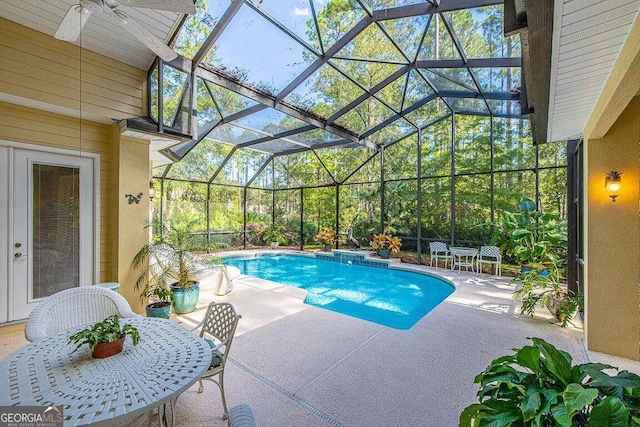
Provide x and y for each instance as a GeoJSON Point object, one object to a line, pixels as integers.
{"type": "Point", "coordinates": [108, 330]}
{"type": "Point", "coordinates": [539, 387]}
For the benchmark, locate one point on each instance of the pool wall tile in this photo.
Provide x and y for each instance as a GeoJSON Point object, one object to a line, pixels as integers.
{"type": "Point", "coordinates": [357, 259]}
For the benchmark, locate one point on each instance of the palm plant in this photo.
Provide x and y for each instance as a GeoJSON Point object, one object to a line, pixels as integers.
{"type": "Point", "coordinates": [169, 259]}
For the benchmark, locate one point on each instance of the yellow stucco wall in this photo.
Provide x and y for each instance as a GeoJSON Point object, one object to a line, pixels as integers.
{"type": "Point", "coordinates": [612, 239]}
{"type": "Point", "coordinates": [131, 176]}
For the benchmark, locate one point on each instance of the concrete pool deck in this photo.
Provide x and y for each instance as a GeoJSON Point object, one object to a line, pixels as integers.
{"type": "Point", "coordinates": [300, 365]}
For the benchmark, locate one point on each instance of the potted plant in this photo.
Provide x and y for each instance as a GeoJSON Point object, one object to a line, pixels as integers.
{"type": "Point", "coordinates": [385, 244]}
{"type": "Point", "coordinates": [530, 237]}
{"type": "Point", "coordinates": [105, 338]}
{"type": "Point", "coordinates": [539, 386]}
{"type": "Point", "coordinates": [326, 237]}
{"type": "Point", "coordinates": [169, 260]}
{"type": "Point", "coordinates": [547, 290]}
{"type": "Point", "coordinates": [159, 298]}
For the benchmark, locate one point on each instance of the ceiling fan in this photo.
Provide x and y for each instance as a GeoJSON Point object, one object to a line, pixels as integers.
{"type": "Point", "coordinates": [78, 14]}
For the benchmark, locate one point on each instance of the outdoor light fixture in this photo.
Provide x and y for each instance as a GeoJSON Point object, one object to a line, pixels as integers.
{"type": "Point", "coordinates": [612, 184]}
{"type": "Point", "coordinates": [152, 191]}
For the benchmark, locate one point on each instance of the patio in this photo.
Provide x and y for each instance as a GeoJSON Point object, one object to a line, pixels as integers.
{"type": "Point", "coordinates": [255, 124]}
{"type": "Point", "coordinates": [345, 371]}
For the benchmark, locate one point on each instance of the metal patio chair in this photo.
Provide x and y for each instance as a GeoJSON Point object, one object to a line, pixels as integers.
{"type": "Point", "coordinates": [439, 250]}
{"type": "Point", "coordinates": [218, 328]}
{"type": "Point", "coordinates": [490, 255]}
{"type": "Point", "coordinates": [74, 307]}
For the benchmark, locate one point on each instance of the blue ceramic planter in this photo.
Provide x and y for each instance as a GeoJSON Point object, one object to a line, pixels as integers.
{"type": "Point", "coordinates": [526, 268]}
{"type": "Point", "coordinates": [161, 312]}
{"type": "Point", "coordinates": [185, 299]}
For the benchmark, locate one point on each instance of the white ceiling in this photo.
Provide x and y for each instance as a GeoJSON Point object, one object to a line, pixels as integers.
{"type": "Point", "coordinates": [587, 38]}
{"type": "Point", "coordinates": [100, 34]}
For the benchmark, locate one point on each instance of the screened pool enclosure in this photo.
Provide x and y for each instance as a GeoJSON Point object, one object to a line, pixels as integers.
{"type": "Point", "coordinates": [308, 114]}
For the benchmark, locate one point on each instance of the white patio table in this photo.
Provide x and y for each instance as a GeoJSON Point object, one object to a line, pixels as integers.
{"type": "Point", "coordinates": [105, 392]}
{"type": "Point", "coordinates": [463, 257]}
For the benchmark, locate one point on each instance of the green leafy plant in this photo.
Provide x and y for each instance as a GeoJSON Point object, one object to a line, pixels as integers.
{"type": "Point", "coordinates": [530, 237]}
{"type": "Point", "coordinates": [158, 295]}
{"type": "Point", "coordinates": [274, 234]}
{"type": "Point", "coordinates": [542, 287]}
{"type": "Point", "coordinates": [539, 387]}
{"type": "Point", "coordinates": [169, 259]}
{"type": "Point", "coordinates": [108, 330]}
{"type": "Point", "coordinates": [326, 237]}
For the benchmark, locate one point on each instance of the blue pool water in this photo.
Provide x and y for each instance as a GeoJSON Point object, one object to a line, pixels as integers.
{"type": "Point", "coordinates": [389, 297]}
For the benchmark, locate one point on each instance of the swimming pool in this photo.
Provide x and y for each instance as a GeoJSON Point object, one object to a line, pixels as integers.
{"type": "Point", "coordinates": [390, 297]}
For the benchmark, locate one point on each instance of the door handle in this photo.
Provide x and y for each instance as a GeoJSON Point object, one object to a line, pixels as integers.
{"type": "Point", "coordinates": [17, 255]}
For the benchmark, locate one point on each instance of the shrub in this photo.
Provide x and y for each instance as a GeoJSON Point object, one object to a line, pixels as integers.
{"type": "Point", "coordinates": [385, 241]}
{"type": "Point", "coordinates": [539, 386]}
{"type": "Point", "coordinates": [326, 237]}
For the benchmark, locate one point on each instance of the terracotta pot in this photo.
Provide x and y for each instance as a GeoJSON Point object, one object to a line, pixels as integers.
{"type": "Point", "coordinates": [106, 349]}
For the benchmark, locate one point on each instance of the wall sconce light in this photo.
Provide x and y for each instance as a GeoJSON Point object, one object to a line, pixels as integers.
{"type": "Point", "coordinates": [152, 190]}
{"type": "Point", "coordinates": [612, 184]}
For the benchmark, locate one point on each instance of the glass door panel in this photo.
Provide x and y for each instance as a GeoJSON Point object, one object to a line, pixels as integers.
{"type": "Point", "coordinates": [56, 234]}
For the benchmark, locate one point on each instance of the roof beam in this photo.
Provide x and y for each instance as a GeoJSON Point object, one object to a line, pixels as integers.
{"type": "Point", "coordinates": [501, 96]}
{"type": "Point", "coordinates": [183, 149]}
{"type": "Point", "coordinates": [315, 147]}
{"type": "Point", "coordinates": [395, 117]}
{"type": "Point", "coordinates": [470, 63]}
{"type": "Point", "coordinates": [449, 26]}
{"type": "Point", "coordinates": [270, 102]}
{"type": "Point", "coordinates": [222, 165]}
{"type": "Point", "coordinates": [286, 169]}
{"type": "Point", "coordinates": [279, 136]}
{"type": "Point", "coordinates": [342, 42]}
{"type": "Point", "coordinates": [477, 113]}
{"type": "Point", "coordinates": [377, 88]}
{"type": "Point", "coordinates": [281, 27]}
{"type": "Point", "coordinates": [359, 167]}
{"type": "Point", "coordinates": [333, 178]}
{"type": "Point", "coordinates": [258, 172]}
{"type": "Point", "coordinates": [215, 33]}
{"type": "Point", "coordinates": [429, 9]}
{"type": "Point", "coordinates": [181, 63]}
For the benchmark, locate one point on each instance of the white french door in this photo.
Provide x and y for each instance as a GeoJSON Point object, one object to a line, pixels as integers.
{"type": "Point", "coordinates": [50, 237]}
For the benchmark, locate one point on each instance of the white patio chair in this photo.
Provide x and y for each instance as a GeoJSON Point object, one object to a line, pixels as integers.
{"type": "Point", "coordinates": [73, 307]}
{"type": "Point", "coordinates": [439, 250]}
{"type": "Point", "coordinates": [490, 255]}
{"type": "Point", "coordinates": [218, 328]}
